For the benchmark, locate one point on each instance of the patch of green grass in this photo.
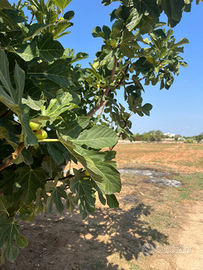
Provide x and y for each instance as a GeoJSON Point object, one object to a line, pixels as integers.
{"type": "Point", "coordinates": [199, 163]}
{"type": "Point", "coordinates": [186, 163]}
{"type": "Point", "coordinates": [157, 220]}
{"type": "Point", "coordinates": [191, 183]}
{"type": "Point", "coordinates": [99, 265]}
{"type": "Point", "coordinates": [133, 266]}
{"type": "Point", "coordinates": [157, 161]}
{"type": "Point", "coordinates": [170, 223]}
{"type": "Point", "coordinates": [195, 147]}
{"type": "Point", "coordinates": [87, 258]}
{"type": "Point", "coordinates": [185, 195]}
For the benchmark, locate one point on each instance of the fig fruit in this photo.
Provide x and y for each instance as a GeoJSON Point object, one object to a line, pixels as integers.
{"type": "Point", "coordinates": [112, 43]}
{"type": "Point", "coordinates": [86, 173]}
{"type": "Point", "coordinates": [41, 134]}
{"type": "Point", "coordinates": [34, 125]}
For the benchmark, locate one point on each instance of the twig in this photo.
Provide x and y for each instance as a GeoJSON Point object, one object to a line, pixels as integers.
{"type": "Point", "coordinates": [112, 147]}
{"type": "Point", "coordinates": [141, 79]}
{"type": "Point", "coordinates": [65, 177]}
{"type": "Point", "coordinates": [57, 19]}
{"type": "Point", "coordinates": [62, 178]}
{"type": "Point", "coordinates": [6, 113]}
{"type": "Point", "coordinates": [126, 70]}
{"type": "Point", "coordinates": [114, 68]}
{"type": "Point", "coordinates": [32, 18]}
{"type": "Point", "coordinates": [126, 83]}
{"type": "Point", "coordinates": [13, 156]}
{"type": "Point", "coordinates": [107, 91]}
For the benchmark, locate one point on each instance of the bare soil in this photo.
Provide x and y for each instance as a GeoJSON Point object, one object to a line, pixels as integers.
{"type": "Point", "coordinates": [180, 157]}
{"type": "Point", "coordinates": [168, 219]}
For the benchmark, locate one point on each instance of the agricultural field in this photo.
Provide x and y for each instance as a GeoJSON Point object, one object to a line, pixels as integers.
{"type": "Point", "coordinates": [156, 227]}
{"type": "Point", "coordinates": [180, 157]}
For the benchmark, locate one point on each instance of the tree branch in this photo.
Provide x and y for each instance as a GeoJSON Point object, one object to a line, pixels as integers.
{"type": "Point", "coordinates": [126, 83]}
{"type": "Point", "coordinates": [102, 107]}
{"type": "Point", "coordinates": [107, 91]}
{"type": "Point", "coordinates": [126, 70]}
{"type": "Point", "coordinates": [93, 111]}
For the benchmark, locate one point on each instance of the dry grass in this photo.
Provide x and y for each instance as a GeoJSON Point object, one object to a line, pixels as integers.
{"type": "Point", "coordinates": [186, 158]}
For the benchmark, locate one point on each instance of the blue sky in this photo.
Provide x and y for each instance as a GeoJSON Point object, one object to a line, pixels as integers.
{"type": "Point", "coordinates": [178, 110]}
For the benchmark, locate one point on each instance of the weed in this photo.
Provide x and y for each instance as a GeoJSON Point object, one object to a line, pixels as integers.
{"type": "Point", "coordinates": [122, 253]}
{"type": "Point", "coordinates": [86, 257]}
{"type": "Point", "coordinates": [192, 183]}
{"type": "Point", "coordinates": [134, 266]}
{"type": "Point", "coordinates": [184, 195]}
{"type": "Point", "coordinates": [170, 224]}
{"type": "Point", "coordinates": [99, 264]}
{"type": "Point", "coordinates": [58, 235]}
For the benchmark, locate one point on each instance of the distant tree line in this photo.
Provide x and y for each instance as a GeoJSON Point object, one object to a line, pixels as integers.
{"type": "Point", "coordinates": [151, 136]}
{"type": "Point", "coordinates": [158, 135]}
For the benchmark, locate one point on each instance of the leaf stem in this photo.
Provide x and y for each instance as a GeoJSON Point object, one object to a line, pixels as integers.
{"type": "Point", "coordinates": [49, 140]}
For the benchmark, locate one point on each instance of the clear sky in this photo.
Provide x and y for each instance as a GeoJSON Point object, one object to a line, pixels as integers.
{"type": "Point", "coordinates": [178, 110]}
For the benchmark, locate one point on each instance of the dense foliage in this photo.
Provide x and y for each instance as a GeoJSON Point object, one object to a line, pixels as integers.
{"type": "Point", "coordinates": [199, 137]}
{"type": "Point", "coordinates": [48, 104]}
{"type": "Point", "coordinates": [150, 136]}
{"type": "Point", "coordinates": [153, 135]}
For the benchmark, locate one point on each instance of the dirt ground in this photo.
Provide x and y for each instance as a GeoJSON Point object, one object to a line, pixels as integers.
{"type": "Point", "coordinates": [180, 157]}
{"type": "Point", "coordinates": [192, 236]}
{"type": "Point", "coordinates": [167, 220]}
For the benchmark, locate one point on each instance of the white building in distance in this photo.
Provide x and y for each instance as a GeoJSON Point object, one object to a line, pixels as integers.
{"type": "Point", "coordinates": [170, 135]}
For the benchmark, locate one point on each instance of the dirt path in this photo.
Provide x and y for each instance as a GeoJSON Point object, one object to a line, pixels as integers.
{"type": "Point", "coordinates": [191, 238]}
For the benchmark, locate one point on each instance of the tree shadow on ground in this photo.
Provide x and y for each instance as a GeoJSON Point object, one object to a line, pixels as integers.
{"type": "Point", "coordinates": [107, 239]}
